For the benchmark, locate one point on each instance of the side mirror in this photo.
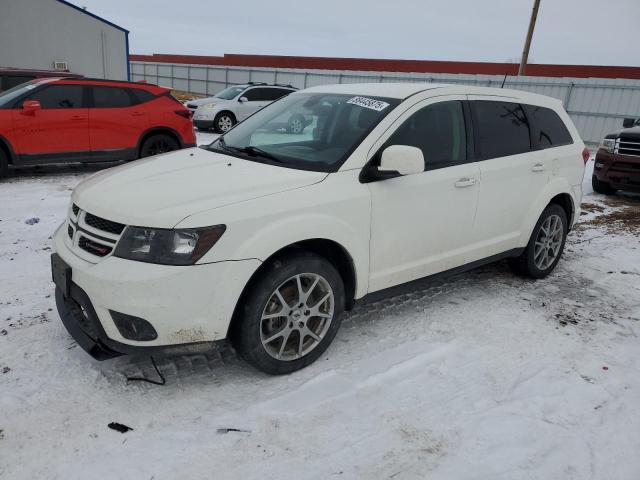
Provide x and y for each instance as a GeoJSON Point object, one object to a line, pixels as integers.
{"type": "Point", "coordinates": [628, 122]}
{"type": "Point", "coordinates": [403, 159]}
{"type": "Point", "coordinates": [243, 99]}
{"type": "Point", "coordinates": [30, 107]}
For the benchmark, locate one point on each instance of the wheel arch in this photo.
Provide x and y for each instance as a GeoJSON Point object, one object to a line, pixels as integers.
{"type": "Point", "coordinates": [158, 131]}
{"type": "Point", "coordinates": [7, 149]}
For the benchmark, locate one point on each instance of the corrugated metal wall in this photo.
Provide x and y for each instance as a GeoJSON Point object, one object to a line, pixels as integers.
{"type": "Point", "coordinates": [596, 105]}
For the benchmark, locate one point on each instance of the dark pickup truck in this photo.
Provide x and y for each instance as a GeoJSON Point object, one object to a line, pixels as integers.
{"type": "Point", "coordinates": [617, 164]}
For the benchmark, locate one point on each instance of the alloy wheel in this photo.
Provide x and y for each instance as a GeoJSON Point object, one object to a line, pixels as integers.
{"type": "Point", "coordinates": [548, 242]}
{"type": "Point", "coordinates": [225, 123]}
{"type": "Point", "coordinates": [297, 316]}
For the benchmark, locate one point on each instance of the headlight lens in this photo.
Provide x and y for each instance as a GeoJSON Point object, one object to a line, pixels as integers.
{"type": "Point", "coordinates": [608, 144]}
{"type": "Point", "coordinates": [208, 105]}
{"type": "Point", "coordinates": [167, 247]}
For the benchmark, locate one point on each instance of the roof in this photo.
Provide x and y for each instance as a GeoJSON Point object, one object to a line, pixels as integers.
{"type": "Point", "coordinates": [107, 22]}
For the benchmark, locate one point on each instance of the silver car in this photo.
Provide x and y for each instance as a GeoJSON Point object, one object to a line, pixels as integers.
{"type": "Point", "coordinates": [234, 104]}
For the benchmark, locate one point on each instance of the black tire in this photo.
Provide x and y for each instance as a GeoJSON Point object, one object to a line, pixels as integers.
{"type": "Point", "coordinates": [297, 124]}
{"type": "Point", "coordinates": [525, 264]}
{"type": "Point", "coordinates": [4, 164]}
{"type": "Point", "coordinates": [224, 122]}
{"type": "Point", "coordinates": [249, 327]}
{"type": "Point", "coordinates": [157, 144]}
{"type": "Point", "coordinates": [602, 187]}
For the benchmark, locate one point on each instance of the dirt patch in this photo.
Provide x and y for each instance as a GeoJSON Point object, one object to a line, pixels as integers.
{"type": "Point", "coordinates": [626, 220]}
{"type": "Point", "coordinates": [591, 208]}
{"type": "Point", "coordinates": [183, 96]}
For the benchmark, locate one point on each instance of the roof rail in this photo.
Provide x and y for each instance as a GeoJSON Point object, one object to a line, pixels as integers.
{"type": "Point", "coordinates": [256, 83]}
{"type": "Point", "coordinates": [284, 85]}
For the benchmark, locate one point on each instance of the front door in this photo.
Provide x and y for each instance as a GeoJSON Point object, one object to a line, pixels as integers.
{"type": "Point", "coordinates": [58, 131]}
{"type": "Point", "coordinates": [422, 224]}
{"type": "Point", "coordinates": [256, 99]}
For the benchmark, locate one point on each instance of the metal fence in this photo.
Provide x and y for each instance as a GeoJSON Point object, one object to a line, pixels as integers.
{"type": "Point", "coordinates": [597, 106]}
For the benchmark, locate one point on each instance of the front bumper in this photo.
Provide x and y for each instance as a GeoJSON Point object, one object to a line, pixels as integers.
{"type": "Point", "coordinates": [185, 305]}
{"type": "Point", "coordinates": [620, 171]}
{"type": "Point", "coordinates": [203, 124]}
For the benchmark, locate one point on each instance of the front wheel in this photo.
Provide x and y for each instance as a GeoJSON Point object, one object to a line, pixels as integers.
{"type": "Point", "coordinates": [546, 244]}
{"type": "Point", "coordinates": [601, 187]}
{"type": "Point", "coordinates": [157, 144]}
{"type": "Point", "coordinates": [290, 314]}
{"type": "Point", "coordinates": [223, 122]}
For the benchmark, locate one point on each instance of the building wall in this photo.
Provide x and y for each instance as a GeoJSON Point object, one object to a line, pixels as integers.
{"type": "Point", "coordinates": [596, 105]}
{"type": "Point", "coordinates": [35, 33]}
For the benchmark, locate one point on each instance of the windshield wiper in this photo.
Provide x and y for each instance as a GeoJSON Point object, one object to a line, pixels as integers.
{"type": "Point", "coordinates": [250, 150]}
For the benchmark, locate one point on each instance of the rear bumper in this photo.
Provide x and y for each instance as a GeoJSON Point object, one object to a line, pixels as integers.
{"type": "Point", "coordinates": [620, 171]}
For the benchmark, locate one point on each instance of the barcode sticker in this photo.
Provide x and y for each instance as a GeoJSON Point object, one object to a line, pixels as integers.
{"type": "Point", "coordinates": [377, 105]}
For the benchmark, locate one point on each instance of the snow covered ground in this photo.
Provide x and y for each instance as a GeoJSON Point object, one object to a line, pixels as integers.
{"type": "Point", "coordinates": [482, 376]}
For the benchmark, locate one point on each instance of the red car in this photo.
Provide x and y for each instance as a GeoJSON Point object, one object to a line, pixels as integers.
{"type": "Point", "coordinates": [54, 120]}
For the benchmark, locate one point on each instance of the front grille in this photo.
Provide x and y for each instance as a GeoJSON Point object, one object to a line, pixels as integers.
{"type": "Point", "coordinates": [75, 209]}
{"type": "Point", "coordinates": [94, 248]}
{"type": "Point", "coordinates": [102, 224]}
{"type": "Point", "coordinates": [70, 231]}
{"type": "Point", "coordinates": [628, 146]}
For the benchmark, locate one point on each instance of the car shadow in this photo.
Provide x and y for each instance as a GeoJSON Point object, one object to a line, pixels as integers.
{"type": "Point", "coordinates": [56, 170]}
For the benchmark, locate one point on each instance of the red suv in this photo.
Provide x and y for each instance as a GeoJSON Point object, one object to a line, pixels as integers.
{"type": "Point", "coordinates": [55, 120]}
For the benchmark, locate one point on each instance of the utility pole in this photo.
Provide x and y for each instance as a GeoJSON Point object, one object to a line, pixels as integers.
{"type": "Point", "coordinates": [527, 42]}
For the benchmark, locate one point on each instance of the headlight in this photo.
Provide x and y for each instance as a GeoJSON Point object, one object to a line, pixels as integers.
{"type": "Point", "coordinates": [608, 144]}
{"type": "Point", "coordinates": [167, 247]}
{"type": "Point", "coordinates": [208, 105]}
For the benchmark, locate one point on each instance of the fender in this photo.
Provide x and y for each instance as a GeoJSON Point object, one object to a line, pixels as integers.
{"type": "Point", "coordinates": [556, 186]}
{"type": "Point", "coordinates": [158, 129]}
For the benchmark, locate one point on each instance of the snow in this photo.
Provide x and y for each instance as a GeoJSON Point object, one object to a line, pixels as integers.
{"type": "Point", "coordinates": [483, 375]}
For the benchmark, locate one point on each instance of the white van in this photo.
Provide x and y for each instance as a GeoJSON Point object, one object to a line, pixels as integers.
{"type": "Point", "coordinates": [267, 236]}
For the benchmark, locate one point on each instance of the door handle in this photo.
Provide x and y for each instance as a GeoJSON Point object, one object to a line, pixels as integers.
{"type": "Point", "coordinates": [137, 114]}
{"type": "Point", "coordinates": [538, 167]}
{"type": "Point", "coordinates": [78, 117]}
{"type": "Point", "coordinates": [465, 182]}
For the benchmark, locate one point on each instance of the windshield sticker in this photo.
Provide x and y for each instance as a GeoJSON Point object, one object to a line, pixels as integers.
{"type": "Point", "coordinates": [365, 102]}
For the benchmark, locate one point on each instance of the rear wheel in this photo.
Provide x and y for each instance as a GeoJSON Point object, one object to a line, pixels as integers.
{"type": "Point", "coordinates": [223, 122]}
{"type": "Point", "coordinates": [4, 164]}
{"type": "Point", "coordinates": [290, 315]}
{"type": "Point", "coordinates": [545, 246]}
{"type": "Point", "coordinates": [602, 187]}
{"type": "Point", "coordinates": [157, 144]}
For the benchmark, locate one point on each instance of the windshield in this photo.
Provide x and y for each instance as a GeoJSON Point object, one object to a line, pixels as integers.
{"type": "Point", "coordinates": [8, 96]}
{"type": "Point", "coordinates": [310, 131]}
{"type": "Point", "coordinates": [229, 93]}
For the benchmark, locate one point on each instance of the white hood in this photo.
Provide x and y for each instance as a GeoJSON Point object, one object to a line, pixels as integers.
{"type": "Point", "coordinates": [161, 191]}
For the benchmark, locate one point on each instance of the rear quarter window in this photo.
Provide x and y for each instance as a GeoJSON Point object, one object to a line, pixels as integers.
{"type": "Point", "coordinates": [547, 128]}
{"type": "Point", "coordinates": [141, 96]}
{"type": "Point", "coordinates": [502, 129]}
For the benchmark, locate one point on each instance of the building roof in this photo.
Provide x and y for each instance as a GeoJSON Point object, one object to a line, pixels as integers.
{"type": "Point", "coordinates": [86, 12]}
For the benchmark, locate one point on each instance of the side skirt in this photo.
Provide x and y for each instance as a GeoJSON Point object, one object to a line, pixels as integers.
{"type": "Point", "coordinates": [425, 281]}
{"type": "Point", "coordinates": [71, 157]}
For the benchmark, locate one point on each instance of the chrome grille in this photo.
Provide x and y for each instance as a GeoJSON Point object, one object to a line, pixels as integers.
{"type": "Point", "coordinates": [102, 224]}
{"type": "Point", "coordinates": [627, 146]}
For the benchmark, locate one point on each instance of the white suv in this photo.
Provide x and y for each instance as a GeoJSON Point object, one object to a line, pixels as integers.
{"type": "Point", "coordinates": [232, 105]}
{"type": "Point", "coordinates": [266, 237]}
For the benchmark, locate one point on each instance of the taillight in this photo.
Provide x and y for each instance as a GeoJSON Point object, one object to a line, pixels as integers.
{"type": "Point", "coordinates": [184, 113]}
{"type": "Point", "coordinates": [585, 155]}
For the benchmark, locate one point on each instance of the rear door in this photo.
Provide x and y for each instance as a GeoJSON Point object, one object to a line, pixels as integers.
{"type": "Point", "coordinates": [513, 174]}
{"type": "Point", "coordinates": [116, 122]}
{"type": "Point", "coordinates": [59, 130]}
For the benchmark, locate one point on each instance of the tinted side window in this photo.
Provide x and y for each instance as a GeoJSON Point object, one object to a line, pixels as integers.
{"type": "Point", "coordinates": [253, 94]}
{"type": "Point", "coordinates": [59, 96]}
{"type": "Point", "coordinates": [141, 96]}
{"type": "Point", "coordinates": [438, 130]}
{"type": "Point", "coordinates": [547, 127]}
{"type": "Point", "coordinates": [274, 93]}
{"type": "Point", "coordinates": [503, 129]}
{"type": "Point", "coordinates": [111, 97]}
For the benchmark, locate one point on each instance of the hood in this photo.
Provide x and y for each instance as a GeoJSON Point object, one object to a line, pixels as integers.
{"type": "Point", "coordinates": [163, 190]}
{"type": "Point", "coordinates": [633, 131]}
{"type": "Point", "coordinates": [205, 101]}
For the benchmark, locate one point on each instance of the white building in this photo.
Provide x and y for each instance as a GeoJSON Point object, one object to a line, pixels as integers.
{"type": "Point", "coordinates": [55, 34]}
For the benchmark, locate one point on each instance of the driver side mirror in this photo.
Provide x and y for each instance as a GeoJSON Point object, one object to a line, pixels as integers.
{"type": "Point", "coordinates": [628, 122]}
{"type": "Point", "coordinates": [403, 159]}
{"type": "Point", "coordinates": [243, 99]}
{"type": "Point", "coordinates": [30, 107]}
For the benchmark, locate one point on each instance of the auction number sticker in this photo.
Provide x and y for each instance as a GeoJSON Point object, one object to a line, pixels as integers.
{"type": "Point", "coordinates": [377, 105]}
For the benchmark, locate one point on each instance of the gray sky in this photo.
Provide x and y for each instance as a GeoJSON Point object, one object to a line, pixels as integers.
{"type": "Point", "coordinates": [597, 32]}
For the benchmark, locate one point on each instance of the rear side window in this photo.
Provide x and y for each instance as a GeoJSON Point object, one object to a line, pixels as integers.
{"type": "Point", "coordinates": [502, 129]}
{"type": "Point", "coordinates": [259, 94]}
{"type": "Point", "coordinates": [141, 96]}
{"type": "Point", "coordinates": [59, 96]}
{"type": "Point", "coordinates": [274, 93]}
{"type": "Point", "coordinates": [111, 97]}
{"type": "Point", "coordinates": [547, 128]}
{"type": "Point", "coordinates": [438, 130]}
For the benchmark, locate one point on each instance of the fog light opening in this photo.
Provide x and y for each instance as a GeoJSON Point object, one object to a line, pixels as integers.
{"type": "Point", "coordinates": [133, 328]}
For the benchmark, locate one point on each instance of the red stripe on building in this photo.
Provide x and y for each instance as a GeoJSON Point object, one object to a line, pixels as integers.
{"type": "Point", "coordinates": [408, 66]}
